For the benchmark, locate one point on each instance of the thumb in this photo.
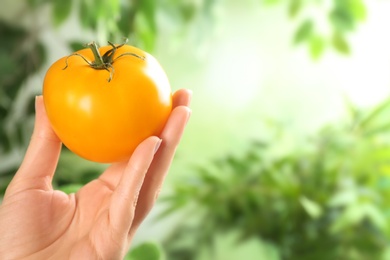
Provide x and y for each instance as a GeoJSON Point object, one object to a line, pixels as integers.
{"type": "Point", "coordinates": [41, 158]}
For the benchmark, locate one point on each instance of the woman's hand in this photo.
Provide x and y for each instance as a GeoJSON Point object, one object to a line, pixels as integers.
{"type": "Point", "coordinates": [100, 220]}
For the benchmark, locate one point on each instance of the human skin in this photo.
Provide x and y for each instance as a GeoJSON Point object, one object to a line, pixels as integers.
{"type": "Point", "coordinates": [100, 220]}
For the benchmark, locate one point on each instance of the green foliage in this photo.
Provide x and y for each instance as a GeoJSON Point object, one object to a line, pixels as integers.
{"type": "Point", "coordinates": [294, 8]}
{"type": "Point", "coordinates": [340, 43]}
{"type": "Point", "coordinates": [146, 22]}
{"type": "Point", "coordinates": [20, 57]}
{"type": "Point", "coordinates": [73, 172]}
{"type": "Point", "coordinates": [316, 46]}
{"type": "Point", "coordinates": [324, 198]}
{"type": "Point", "coordinates": [342, 16]}
{"type": "Point", "coordinates": [61, 11]}
{"type": "Point", "coordinates": [304, 32]}
{"type": "Point", "coordinates": [146, 251]}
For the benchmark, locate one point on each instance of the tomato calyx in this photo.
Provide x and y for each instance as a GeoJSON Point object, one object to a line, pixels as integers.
{"type": "Point", "coordinates": [103, 62]}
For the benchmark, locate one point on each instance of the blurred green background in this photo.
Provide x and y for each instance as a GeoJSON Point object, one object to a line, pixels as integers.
{"type": "Point", "coordinates": [287, 153]}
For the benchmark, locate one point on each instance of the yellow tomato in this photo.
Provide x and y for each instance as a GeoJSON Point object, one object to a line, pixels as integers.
{"type": "Point", "coordinates": [102, 111]}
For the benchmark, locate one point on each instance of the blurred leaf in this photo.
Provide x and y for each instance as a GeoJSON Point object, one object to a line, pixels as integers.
{"type": "Point", "coordinates": [145, 22]}
{"type": "Point", "coordinates": [271, 2]}
{"type": "Point", "coordinates": [356, 214]}
{"type": "Point", "coordinates": [88, 13]}
{"type": "Point", "coordinates": [312, 208]}
{"type": "Point", "coordinates": [376, 216]}
{"type": "Point", "coordinates": [359, 10]}
{"type": "Point", "coordinates": [295, 6]}
{"type": "Point", "coordinates": [61, 11]}
{"type": "Point", "coordinates": [111, 9]}
{"type": "Point", "coordinates": [340, 43]}
{"type": "Point", "coordinates": [70, 188]}
{"type": "Point", "coordinates": [76, 46]}
{"type": "Point", "coordinates": [343, 198]}
{"type": "Point", "coordinates": [352, 111]}
{"type": "Point", "coordinates": [386, 253]}
{"type": "Point", "coordinates": [37, 3]}
{"type": "Point", "coordinates": [341, 18]}
{"type": "Point", "coordinates": [145, 251]}
{"type": "Point", "coordinates": [378, 129]}
{"type": "Point", "coordinates": [73, 170]}
{"type": "Point", "coordinates": [126, 21]}
{"type": "Point", "coordinates": [369, 120]}
{"type": "Point", "coordinates": [18, 60]}
{"type": "Point", "coordinates": [228, 246]}
{"type": "Point", "coordinates": [146, 34]}
{"type": "Point", "coordinates": [317, 46]}
{"type": "Point", "coordinates": [304, 32]}
{"type": "Point", "coordinates": [188, 10]}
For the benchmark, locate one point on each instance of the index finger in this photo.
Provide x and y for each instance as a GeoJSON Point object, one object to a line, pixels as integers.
{"type": "Point", "coordinates": [162, 161]}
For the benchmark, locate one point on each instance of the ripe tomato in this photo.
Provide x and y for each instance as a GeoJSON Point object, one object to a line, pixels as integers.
{"type": "Point", "coordinates": [103, 113]}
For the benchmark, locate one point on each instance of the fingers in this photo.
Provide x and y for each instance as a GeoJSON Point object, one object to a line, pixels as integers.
{"type": "Point", "coordinates": [40, 161]}
{"type": "Point", "coordinates": [125, 195]}
{"type": "Point", "coordinates": [158, 170]}
{"type": "Point", "coordinates": [182, 97]}
{"type": "Point", "coordinates": [126, 214]}
{"type": "Point", "coordinates": [113, 174]}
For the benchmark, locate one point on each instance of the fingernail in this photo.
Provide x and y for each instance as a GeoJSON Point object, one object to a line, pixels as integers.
{"type": "Point", "coordinates": [157, 146]}
{"type": "Point", "coordinates": [188, 116]}
{"type": "Point", "coordinates": [36, 99]}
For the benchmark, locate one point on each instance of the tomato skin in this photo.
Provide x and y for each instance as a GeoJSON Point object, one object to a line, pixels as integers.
{"type": "Point", "coordinates": [104, 121]}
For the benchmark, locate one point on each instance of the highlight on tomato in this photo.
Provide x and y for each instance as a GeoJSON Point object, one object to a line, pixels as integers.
{"type": "Point", "coordinates": [103, 102]}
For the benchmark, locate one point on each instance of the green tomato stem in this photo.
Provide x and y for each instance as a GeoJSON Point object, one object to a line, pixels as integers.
{"type": "Point", "coordinates": [98, 62]}
{"type": "Point", "coordinates": [103, 62]}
